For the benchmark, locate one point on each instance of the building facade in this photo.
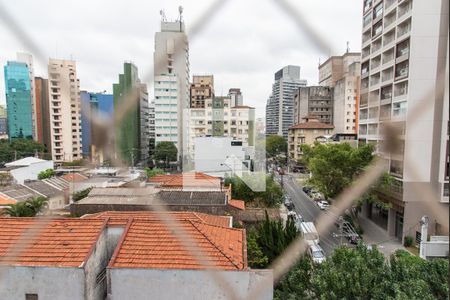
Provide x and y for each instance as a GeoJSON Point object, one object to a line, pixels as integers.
{"type": "Point", "coordinates": [220, 119]}
{"type": "Point", "coordinates": [280, 105]}
{"type": "Point", "coordinates": [314, 101]}
{"type": "Point", "coordinates": [35, 109]}
{"type": "Point", "coordinates": [307, 132]}
{"type": "Point", "coordinates": [171, 70]}
{"type": "Point", "coordinates": [42, 114]}
{"type": "Point", "coordinates": [404, 59]}
{"type": "Point", "coordinates": [3, 122]}
{"type": "Point", "coordinates": [65, 110]}
{"type": "Point", "coordinates": [128, 139]}
{"type": "Point", "coordinates": [343, 74]}
{"type": "Point", "coordinates": [202, 87]}
{"type": "Point", "coordinates": [18, 100]}
{"type": "Point", "coordinates": [236, 97]}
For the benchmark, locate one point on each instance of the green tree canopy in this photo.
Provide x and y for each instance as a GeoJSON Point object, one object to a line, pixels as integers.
{"type": "Point", "coordinates": [275, 145]}
{"type": "Point", "coordinates": [19, 148]}
{"type": "Point", "coordinates": [46, 174]}
{"type": "Point", "coordinates": [77, 196]}
{"type": "Point", "coordinates": [334, 166]}
{"type": "Point", "coordinates": [153, 172]}
{"type": "Point", "coordinates": [28, 208]}
{"type": "Point", "coordinates": [365, 274]}
{"type": "Point", "coordinates": [166, 151]}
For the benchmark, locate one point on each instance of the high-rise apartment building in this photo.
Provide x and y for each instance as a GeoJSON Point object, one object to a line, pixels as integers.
{"type": "Point", "coordinates": [343, 74]}
{"type": "Point", "coordinates": [144, 115]}
{"type": "Point", "coordinates": [280, 105]}
{"type": "Point", "coordinates": [18, 100]}
{"type": "Point", "coordinates": [65, 110]}
{"type": "Point", "coordinates": [3, 122]}
{"type": "Point", "coordinates": [314, 101]}
{"type": "Point", "coordinates": [42, 113]}
{"type": "Point", "coordinates": [404, 65]}
{"type": "Point", "coordinates": [171, 69]}
{"type": "Point", "coordinates": [28, 60]}
{"type": "Point", "coordinates": [151, 128]}
{"type": "Point", "coordinates": [236, 97]}
{"type": "Point", "coordinates": [202, 88]}
{"type": "Point", "coordinates": [129, 142]}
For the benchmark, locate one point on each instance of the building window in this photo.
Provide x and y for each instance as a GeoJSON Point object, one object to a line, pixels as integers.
{"type": "Point", "coordinates": [31, 297]}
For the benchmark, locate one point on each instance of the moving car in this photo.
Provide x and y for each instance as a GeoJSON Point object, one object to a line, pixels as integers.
{"type": "Point", "coordinates": [316, 252]}
{"type": "Point", "coordinates": [296, 218]}
{"type": "Point", "coordinates": [323, 204]}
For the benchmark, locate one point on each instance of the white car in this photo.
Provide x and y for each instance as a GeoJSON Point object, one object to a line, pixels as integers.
{"type": "Point", "coordinates": [298, 219]}
{"type": "Point", "coordinates": [323, 205]}
{"type": "Point", "coordinates": [316, 253]}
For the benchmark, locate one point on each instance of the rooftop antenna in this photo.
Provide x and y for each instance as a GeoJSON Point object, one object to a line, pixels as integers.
{"type": "Point", "coordinates": [163, 15]}
{"type": "Point", "coordinates": [180, 10]}
{"type": "Point", "coordinates": [348, 46]}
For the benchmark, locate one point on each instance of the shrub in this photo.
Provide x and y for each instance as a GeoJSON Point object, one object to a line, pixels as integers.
{"type": "Point", "coordinates": [409, 241]}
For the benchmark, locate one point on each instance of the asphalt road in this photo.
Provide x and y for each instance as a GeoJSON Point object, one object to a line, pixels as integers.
{"type": "Point", "coordinates": [306, 207]}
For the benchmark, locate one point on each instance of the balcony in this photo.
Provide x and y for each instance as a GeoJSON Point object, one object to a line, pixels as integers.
{"type": "Point", "coordinates": [388, 4]}
{"type": "Point", "coordinates": [400, 91]}
{"type": "Point", "coordinates": [388, 38]}
{"type": "Point", "coordinates": [404, 29]}
{"type": "Point", "coordinates": [365, 52]}
{"type": "Point", "coordinates": [375, 80]}
{"type": "Point", "coordinates": [387, 75]}
{"type": "Point", "coordinates": [362, 130]}
{"type": "Point", "coordinates": [376, 46]}
{"type": "Point", "coordinates": [401, 72]}
{"type": "Point", "coordinates": [374, 99]}
{"type": "Point", "coordinates": [404, 9]}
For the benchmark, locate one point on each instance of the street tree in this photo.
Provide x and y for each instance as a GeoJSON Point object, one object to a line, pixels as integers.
{"type": "Point", "coordinates": [275, 145]}
{"type": "Point", "coordinates": [166, 152]}
{"type": "Point", "coordinates": [19, 148]}
{"type": "Point", "coordinates": [46, 174]}
{"type": "Point", "coordinates": [334, 166]}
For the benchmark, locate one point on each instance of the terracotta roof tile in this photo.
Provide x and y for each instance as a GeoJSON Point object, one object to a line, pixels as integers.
{"type": "Point", "coordinates": [121, 217]}
{"type": "Point", "coordinates": [5, 200]}
{"type": "Point", "coordinates": [151, 244]}
{"type": "Point", "coordinates": [74, 177]}
{"type": "Point", "coordinates": [56, 242]}
{"type": "Point", "coordinates": [188, 179]}
{"type": "Point", "coordinates": [237, 203]}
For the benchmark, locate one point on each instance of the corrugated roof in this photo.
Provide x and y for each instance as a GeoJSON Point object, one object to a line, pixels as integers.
{"type": "Point", "coordinates": [55, 243]}
{"type": "Point", "coordinates": [24, 162]}
{"type": "Point", "coordinates": [154, 245]}
{"type": "Point", "coordinates": [57, 182]}
{"type": "Point", "coordinates": [18, 192]}
{"type": "Point", "coordinates": [74, 177]}
{"type": "Point", "coordinates": [42, 188]}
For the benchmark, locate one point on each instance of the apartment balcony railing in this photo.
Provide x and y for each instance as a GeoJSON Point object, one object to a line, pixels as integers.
{"type": "Point", "coordinates": [376, 47]}
{"type": "Point", "coordinates": [388, 4]}
{"type": "Point", "coordinates": [400, 73]}
{"type": "Point", "coordinates": [404, 10]}
{"type": "Point", "coordinates": [403, 31]}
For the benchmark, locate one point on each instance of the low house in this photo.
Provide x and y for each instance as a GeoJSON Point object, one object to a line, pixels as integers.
{"type": "Point", "coordinates": [308, 132]}
{"type": "Point", "coordinates": [18, 192]}
{"type": "Point", "coordinates": [27, 168]}
{"type": "Point", "coordinates": [130, 255]}
{"type": "Point", "coordinates": [195, 181]}
{"type": "Point", "coordinates": [57, 199]}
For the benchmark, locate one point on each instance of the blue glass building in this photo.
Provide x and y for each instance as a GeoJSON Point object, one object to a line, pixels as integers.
{"type": "Point", "coordinates": [18, 100]}
{"type": "Point", "coordinates": [93, 105]}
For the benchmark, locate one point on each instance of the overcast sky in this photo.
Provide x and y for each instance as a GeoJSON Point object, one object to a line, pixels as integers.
{"type": "Point", "coordinates": [243, 44]}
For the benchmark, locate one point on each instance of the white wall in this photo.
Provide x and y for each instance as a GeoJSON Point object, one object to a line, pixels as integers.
{"type": "Point", "coordinates": [48, 283]}
{"type": "Point", "coordinates": [184, 284]}
{"type": "Point", "coordinates": [31, 172]}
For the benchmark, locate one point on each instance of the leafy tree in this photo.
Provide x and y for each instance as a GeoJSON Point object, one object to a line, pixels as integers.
{"type": "Point", "coordinates": [46, 174]}
{"type": "Point", "coordinates": [256, 257]}
{"type": "Point", "coordinates": [365, 274]}
{"type": "Point", "coordinates": [77, 196]}
{"type": "Point", "coordinates": [273, 237]}
{"type": "Point", "coordinates": [271, 197]}
{"type": "Point", "coordinates": [166, 151]}
{"type": "Point", "coordinates": [19, 148]}
{"type": "Point", "coordinates": [334, 166]}
{"type": "Point", "coordinates": [275, 145]}
{"type": "Point", "coordinates": [75, 163]}
{"type": "Point", "coordinates": [153, 172]}
{"type": "Point", "coordinates": [28, 208]}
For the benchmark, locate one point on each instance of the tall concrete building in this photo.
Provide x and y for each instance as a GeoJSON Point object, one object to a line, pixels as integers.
{"type": "Point", "coordinates": [18, 100]}
{"type": "Point", "coordinates": [171, 69]}
{"type": "Point", "coordinates": [144, 122]}
{"type": "Point", "coordinates": [65, 110]}
{"type": "Point", "coordinates": [129, 143]}
{"type": "Point", "coordinates": [42, 105]}
{"type": "Point", "coordinates": [404, 60]}
{"type": "Point", "coordinates": [202, 88]}
{"type": "Point", "coordinates": [343, 74]}
{"type": "Point", "coordinates": [314, 101]}
{"type": "Point", "coordinates": [236, 97]}
{"type": "Point", "coordinates": [28, 60]}
{"type": "Point", "coordinates": [3, 122]}
{"type": "Point", "coordinates": [280, 105]}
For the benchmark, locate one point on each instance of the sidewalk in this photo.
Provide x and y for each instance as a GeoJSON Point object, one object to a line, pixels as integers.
{"type": "Point", "coordinates": [373, 234]}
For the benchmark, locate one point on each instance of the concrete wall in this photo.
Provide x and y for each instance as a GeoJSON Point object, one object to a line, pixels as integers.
{"type": "Point", "coordinates": [184, 284]}
{"type": "Point", "coordinates": [48, 283]}
{"type": "Point", "coordinates": [30, 172]}
{"type": "Point", "coordinates": [96, 263]}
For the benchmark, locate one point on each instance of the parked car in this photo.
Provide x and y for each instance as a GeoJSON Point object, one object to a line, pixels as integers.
{"type": "Point", "coordinates": [316, 252]}
{"type": "Point", "coordinates": [323, 204]}
{"type": "Point", "coordinates": [309, 232]}
{"type": "Point", "coordinates": [289, 204]}
{"type": "Point", "coordinates": [317, 196]}
{"type": "Point", "coordinates": [298, 219]}
{"type": "Point", "coordinates": [306, 189]}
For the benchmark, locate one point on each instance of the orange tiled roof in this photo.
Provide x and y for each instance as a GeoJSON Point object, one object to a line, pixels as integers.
{"type": "Point", "coordinates": [188, 179]}
{"type": "Point", "coordinates": [237, 203]}
{"type": "Point", "coordinates": [153, 245]}
{"type": "Point", "coordinates": [5, 200]}
{"type": "Point", "coordinates": [122, 217]}
{"type": "Point", "coordinates": [74, 177]}
{"type": "Point", "coordinates": [56, 242]}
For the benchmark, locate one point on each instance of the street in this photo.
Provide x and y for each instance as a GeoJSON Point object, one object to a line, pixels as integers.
{"type": "Point", "coordinates": [306, 207]}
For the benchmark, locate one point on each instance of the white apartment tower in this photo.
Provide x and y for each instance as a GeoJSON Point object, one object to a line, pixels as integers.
{"type": "Point", "coordinates": [280, 105]}
{"type": "Point", "coordinates": [65, 110]}
{"type": "Point", "coordinates": [171, 70]}
{"type": "Point", "coordinates": [28, 60]}
{"type": "Point", "coordinates": [404, 64]}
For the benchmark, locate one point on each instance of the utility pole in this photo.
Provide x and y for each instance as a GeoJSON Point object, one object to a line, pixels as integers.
{"type": "Point", "coordinates": [15, 154]}
{"type": "Point", "coordinates": [341, 229]}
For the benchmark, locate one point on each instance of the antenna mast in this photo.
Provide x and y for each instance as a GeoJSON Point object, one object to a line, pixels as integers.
{"type": "Point", "coordinates": [163, 15]}
{"type": "Point", "coordinates": [348, 46]}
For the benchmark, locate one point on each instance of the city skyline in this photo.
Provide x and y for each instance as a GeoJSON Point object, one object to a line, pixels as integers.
{"type": "Point", "coordinates": [238, 66]}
